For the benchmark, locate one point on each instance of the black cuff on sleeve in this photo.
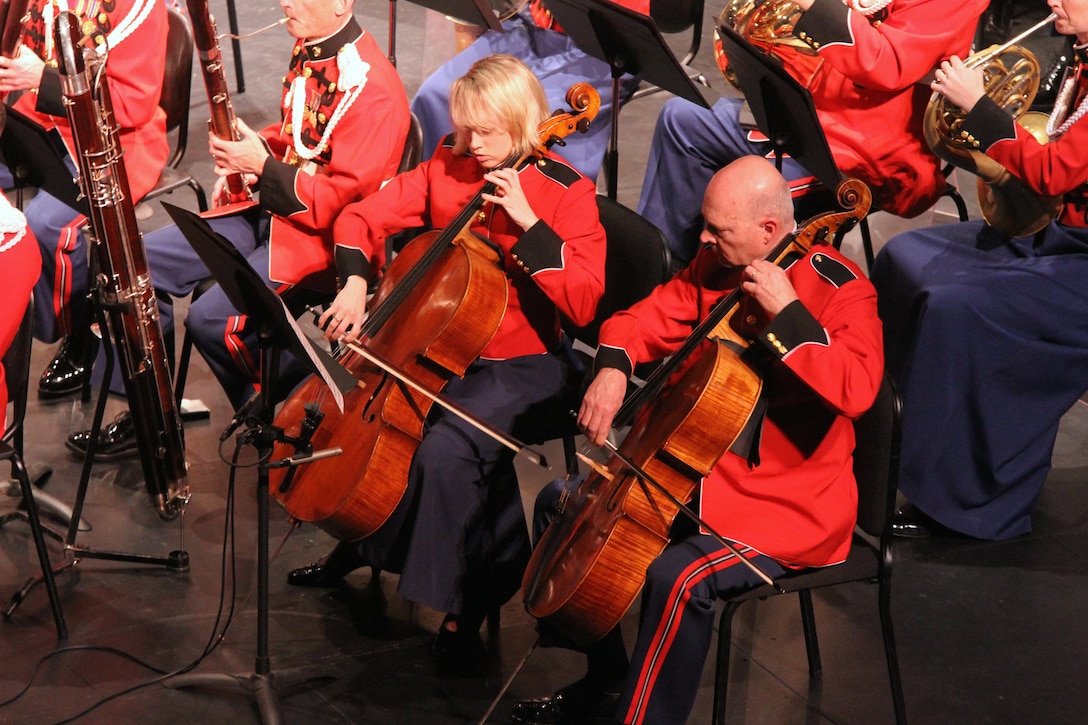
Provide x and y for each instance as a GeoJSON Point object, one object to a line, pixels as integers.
{"type": "Point", "coordinates": [278, 188]}
{"type": "Point", "coordinates": [612, 357]}
{"type": "Point", "coordinates": [988, 123]}
{"type": "Point", "coordinates": [827, 21]}
{"type": "Point", "coordinates": [50, 95]}
{"type": "Point", "coordinates": [538, 249]}
{"type": "Point", "coordinates": [791, 328]}
{"type": "Point", "coordinates": [350, 260]}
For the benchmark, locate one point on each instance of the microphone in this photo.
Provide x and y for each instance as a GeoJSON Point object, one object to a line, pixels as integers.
{"type": "Point", "coordinates": [240, 416]}
{"type": "Point", "coordinates": [304, 452]}
{"type": "Point", "coordinates": [310, 421]}
{"type": "Point", "coordinates": [299, 458]}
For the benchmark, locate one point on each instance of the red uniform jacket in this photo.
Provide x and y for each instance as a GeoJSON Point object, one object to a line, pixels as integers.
{"type": "Point", "coordinates": [353, 102]}
{"type": "Point", "coordinates": [20, 265]}
{"type": "Point", "coordinates": [869, 81]}
{"type": "Point", "coordinates": [823, 362]}
{"type": "Point", "coordinates": [556, 266]}
{"type": "Point", "coordinates": [1057, 168]}
{"type": "Point", "coordinates": [134, 71]}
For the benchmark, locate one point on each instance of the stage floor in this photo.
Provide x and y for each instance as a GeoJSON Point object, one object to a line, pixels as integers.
{"type": "Point", "coordinates": [987, 632]}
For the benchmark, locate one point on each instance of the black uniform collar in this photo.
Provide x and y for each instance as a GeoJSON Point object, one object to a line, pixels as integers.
{"type": "Point", "coordinates": [328, 47]}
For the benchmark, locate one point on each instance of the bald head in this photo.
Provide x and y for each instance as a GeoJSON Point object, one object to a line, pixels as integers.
{"type": "Point", "coordinates": [753, 183]}
{"type": "Point", "coordinates": [748, 209]}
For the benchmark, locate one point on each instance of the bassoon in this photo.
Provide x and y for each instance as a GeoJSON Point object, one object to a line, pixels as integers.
{"type": "Point", "coordinates": [223, 121]}
{"type": "Point", "coordinates": [123, 280]}
{"type": "Point", "coordinates": [13, 17]}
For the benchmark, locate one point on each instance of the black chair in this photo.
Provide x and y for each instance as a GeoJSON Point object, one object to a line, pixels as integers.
{"type": "Point", "coordinates": [413, 146]}
{"type": "Point", "coordinates": [17, 370]}
{"type": "Point", "coordinates": [637, 260]}
{"type": "Point", "coordinates": [876, 463]}
{"type": "Point", "coordinates": [176, 92]}
{"type": "Point", "coordinates": [410, 158]}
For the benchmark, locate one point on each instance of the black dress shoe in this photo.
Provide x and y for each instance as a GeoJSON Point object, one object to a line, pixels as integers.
{"type": "Point", "coordinates": [458, 653]}
{"type": "Point", "coordinates": [329, 572]}
{"type": "Point", "coordinates": [68, 370]}
{"type": "Point", "coordinates": [116, 441]}
{"type": "Point", "coordinates": [584, 701]}
{"type": "Point", "coordinates": [911, 523]}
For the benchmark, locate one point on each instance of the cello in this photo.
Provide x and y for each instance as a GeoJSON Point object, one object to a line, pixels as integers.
{"type": "Point", "coordinates": [438, 305]}
{"type": "Point", "coordinates": [591, 562]}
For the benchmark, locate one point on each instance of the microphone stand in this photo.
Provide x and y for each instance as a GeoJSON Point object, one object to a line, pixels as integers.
{"type": "Point", "coordinates": [263, 682]}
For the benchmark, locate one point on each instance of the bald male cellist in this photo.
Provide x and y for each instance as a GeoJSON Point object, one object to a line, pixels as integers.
{"type": "Point", "coordinates": [791, 502]}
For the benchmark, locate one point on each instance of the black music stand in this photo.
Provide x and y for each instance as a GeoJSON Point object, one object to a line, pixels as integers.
{"type": "Point", "coordinates": [629, 42]}
{"type": "Point", "coordinates": [276, 331]}
{"type": "Point", "coordinates": [36, 157]}
{"type": "Point", "coordinates": [783, 108]}
{"type": "Point", "coordinates": [473, 12]}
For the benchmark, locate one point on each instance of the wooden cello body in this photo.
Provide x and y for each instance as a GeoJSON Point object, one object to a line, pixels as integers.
{"type": "Point", "coordinates": [461, 302]}
{"type": "Point", "coordinates": [591, 562]}
{"type": "Point", "coordinates": [439, 304]}
{"type": "Point", "coordinates": [589, 566]}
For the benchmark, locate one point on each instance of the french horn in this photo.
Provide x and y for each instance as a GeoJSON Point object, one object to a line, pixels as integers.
{"type": "Point", "coordinates": [1011, 76]}
{"type": "Point", "coordinates": [765, 24]}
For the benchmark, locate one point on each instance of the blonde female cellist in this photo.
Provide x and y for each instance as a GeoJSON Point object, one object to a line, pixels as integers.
{"type": "Point", "coordinates": [814, 336]}
{"type": "Point", "coordinates": [458, 537]}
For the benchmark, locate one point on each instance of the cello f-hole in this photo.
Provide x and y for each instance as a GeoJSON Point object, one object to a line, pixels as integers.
{"type": "Point", "coordinates": [613, 497]}
{"type": "Point", "coordinates": [367, 414]}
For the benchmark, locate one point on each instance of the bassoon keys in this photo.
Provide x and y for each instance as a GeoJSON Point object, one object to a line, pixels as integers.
{"type": "Point", "coordinates": [223, 122]}
{"type": "Point", "coordinates": [123, 281]}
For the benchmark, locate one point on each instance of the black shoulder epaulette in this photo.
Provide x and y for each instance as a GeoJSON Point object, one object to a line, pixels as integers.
{"type": "Point", "coordinates": [449, 141]}
{"type": "Point", "coordinates": [558, 171]}
{"type": "Point", "coordinates": [832, 269]}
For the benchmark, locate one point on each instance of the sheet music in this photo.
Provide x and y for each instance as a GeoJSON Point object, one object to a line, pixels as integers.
{"type": "Point", "coordinates": [319, 364]}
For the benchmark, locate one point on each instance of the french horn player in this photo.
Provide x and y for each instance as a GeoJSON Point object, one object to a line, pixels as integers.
{"type": "Point", "coordinates": [979, 321]}
{"type": "Point", "coordinates": [863, 63]}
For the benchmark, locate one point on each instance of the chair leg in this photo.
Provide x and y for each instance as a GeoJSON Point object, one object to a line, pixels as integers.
{"type": "Point", "coordinates": [201, 197]}
{"type": "Point", "coordinates": [721, 669]}
{"type": "Point", "coordinates": [866, 244]}
{"type": "Point", "coordinates": [890, 652]}
{"type": "Point", "coordinates": [183, 369]}
{"type": "Point", "coordinates": [812, 643]}
{"type": "Point", "coordinates": [39, 544]}
{"type": "Point", "coordinates": [961, 206]}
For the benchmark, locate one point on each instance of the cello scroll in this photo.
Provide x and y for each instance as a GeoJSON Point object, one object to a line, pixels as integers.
{"type": "Point", "coordinates": [585, 102]}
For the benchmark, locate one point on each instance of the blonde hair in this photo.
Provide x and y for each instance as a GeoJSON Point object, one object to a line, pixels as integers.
{"type": "Point", "coordinates": [498, 91]}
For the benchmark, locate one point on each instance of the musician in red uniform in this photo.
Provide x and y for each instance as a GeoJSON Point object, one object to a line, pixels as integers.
{"type": "Point", "coordinates": [134, 31]}
{"type": "Point", "coordinates": [20, 265]}
{"type": "Point", "coordinates": [459, 538]}
{"type": "Point", "coordinates": [980, 324]}
{"type": "Point", "coordinates": [341, 135]}
{"type": "Point", "coordinates": [817, 341]}
{"type": "Point", "coordinates": [867, 82]}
